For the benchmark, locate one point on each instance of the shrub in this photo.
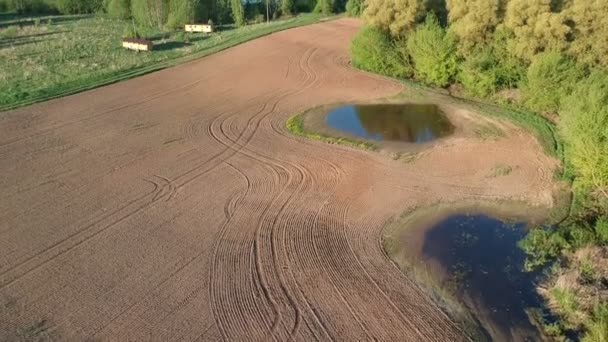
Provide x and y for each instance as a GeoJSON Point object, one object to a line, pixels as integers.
{"type": "Point", "coordinates": [542, 246]}
{"type": "Point", "coordinates": [579, 235]}
{"type": "Point", "coordinates": [396, 17]}
{"type": "Point", "coordinates": [3, 6]}
{"type": "Point", "coordinates": [238, 12]}
{"type": "Point", "coordinates": [9, 32]}
{"type": "Point", "coordinates": [372, 50]}
{"type": "Point", "coordinates": [182, 12]}
{"type": "Point", "coordinates": [354, 8]}
{"type": "Point", "coordinates": [550, 77]}
{"type": "Point", "coordinates": [150, 13]}
{"type": "Point", "coordinates": [78, 6]}
{"type": "Point", "coordinates": [597, 328]}
{"type": "Point", "coordinates": [510, 70]}
{"type": "Point", "coordinates": [584, 128]}
{"type": "Point", "coordinates": [433, 53]}
{"type": "Point", "coordinates": [119, 9]}
{"type": "Point", "coordinates": [566, 301]}
{"type": "Point", "coordinates": [287, 7]}
{"type": "Point", "coordinates": [472, 21]}
{"type": "Point", "coordinates": [325, 7]}
{"type": "Point", "coordinates": [478, 74]}
{"type": "Point", "coordinates": [601, 230]}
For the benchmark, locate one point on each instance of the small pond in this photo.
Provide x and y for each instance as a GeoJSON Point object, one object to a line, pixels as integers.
{"type": "Point", "coordinates": [413, 123]}
{"type": "Point", "coordinates": [483, 266]}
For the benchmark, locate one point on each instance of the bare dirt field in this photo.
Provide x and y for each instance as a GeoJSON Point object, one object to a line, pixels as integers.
{"type": "Point", "coordinates": [176, 206]}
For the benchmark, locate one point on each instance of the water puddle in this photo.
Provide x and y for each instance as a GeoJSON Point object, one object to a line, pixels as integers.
{"type": "Point", "coordinates": [412, 123]}
{"type": "Point", "coordinates": [475, 258]}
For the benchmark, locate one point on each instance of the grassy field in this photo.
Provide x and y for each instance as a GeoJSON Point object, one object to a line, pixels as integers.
{"type": "Point", "coordinates": [47, 57]}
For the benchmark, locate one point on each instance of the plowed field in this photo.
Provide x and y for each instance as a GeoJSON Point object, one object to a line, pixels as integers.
{"type": "Point", "coordinates": [176, 206]}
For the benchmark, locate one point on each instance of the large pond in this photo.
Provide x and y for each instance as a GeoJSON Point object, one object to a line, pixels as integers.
{"type": "Point", "coordinates": [480, 263]}
{"type": "Point", "coordinates": [413, 123]}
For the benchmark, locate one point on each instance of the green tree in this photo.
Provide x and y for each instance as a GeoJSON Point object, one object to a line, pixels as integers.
{"type": "Point", "coordinates": [354, 8]}
{"type": "Point", "coordinates": [325, 7]}
{"type": "Point", "coordinates": [590, 29]}
{"type": "Point", "coordinates": [150, 13]}
{"type": "Point", "coordinates": [535, 27]}
{"type": "Point", "coordinates": [238, 12]}
{"type": "Point", "coordinates": [372, 50]}
{"type": "Point", "coordinates": [584, 128]}
{"type": "Point", "coordinates": [182, 12]}
{"type": "Point", "coordinates": [478, 73]}
{"type": "Point", "coordinates": [550, 77]}
{"type": "Point", "coordinates": [287, 7]}
{"type": "Point", "coordinates": [433, 52]}
{"type": "Point", "coordinates": [473, 21]}
{"type": "Point", "coordinates": [395, 16]}
{"type": "Point", "coordinates": [120, 9]}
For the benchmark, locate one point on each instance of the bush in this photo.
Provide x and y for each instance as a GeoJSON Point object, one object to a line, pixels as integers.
{"type": "Point", "coordinates": [150, 13]}
{"type": "Point", "coordinates": [478, 74]}
{"type": "Point", "coordinates": [32, 6]}
{"type": "Point", "coordinates": [325, 7]}
{"type": "Point", "coordinates": [542, 246]}
{"type": "Point", "coordinates": [584, 128]}
{"type": "Point", "coordinates": [550, 77]}
{"type": "Point", "coordinates": [238, 12]}
{"type": "Point", "coordinates": [119, 9]}
{"type": "Point", "coordinates": [597, 328]}
{"type": "Point", "coordinates": [397, 17]}
{"type": "Point", "coordinates": [372, 50]}
{"type": "Point", "coordinates": [9, 32]}
{"type": "Point", "coordinates": [354, 8]}
{"type": "Point", "coordinates": [601, 230]}
{"type": "Point", "coordinates": [433, 53]}
{"type": "Point", "coordinates": [287, 7]}
{"type": "Point", "coordinates": [3, 7]}
{"type": "Point", "coordinates": [182, 12]}
{"type": "Point", "coordinates": [79, 6]}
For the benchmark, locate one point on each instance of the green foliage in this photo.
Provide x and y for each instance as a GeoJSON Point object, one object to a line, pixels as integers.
{"type": "Point", "coordinates": [354, 8]}
{"type": "Point", "coordinates": [9, 32]}
{"type": "Point", "coordinates": [550, 77]}
{"type": "Point", "coordinates": [395, 16]}
{"type": "Point", "coordinates": [287, 7]}
{"type": "Point", "coordinates": [325, 7]}
{"type": "Point", "coordinates": [584, 128]}
{"type": "Point", "coordinates": [433, 53]}
{"type": "Point", "coordinates": [542, 246]}
{"type": "Point", "coordinates": [182, 12]}
{"type": "Point", "coordinates": [601, 230]}
{"type": "Point", "coordinates": [478, 74]}
{"type": "Point", "coordinates": [372, 50]}
{"type": "Point", "coordinates": [238, 12]}
{"type": "Point", "coordinates": [3, 6]}
{"type": "Point", "coordinates": [119, 9]}
{"type": "Point", "coordinates": [589, 22]}
{"type": "Point", "coordinates": [150, 13]}
{"type": "Point", "coordinates": [536, 28]}
{"type": "Point", "coordinates": [79, 6]}
{"type": "Point", "coordinates": [473, 21]}
{"type": "Point", "coordinates": [32, 6]}
{"type": "Point", "coordinates": [597, 327]}
{"type": "Point", "coordinates": [567, 304]}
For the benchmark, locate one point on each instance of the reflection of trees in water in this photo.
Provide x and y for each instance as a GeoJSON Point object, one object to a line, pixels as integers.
{"type": "Point", "coordinates": [412, 122]}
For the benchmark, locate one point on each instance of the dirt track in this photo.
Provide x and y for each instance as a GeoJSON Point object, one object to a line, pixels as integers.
{"type": "Point", "coordinates": [176, 206]}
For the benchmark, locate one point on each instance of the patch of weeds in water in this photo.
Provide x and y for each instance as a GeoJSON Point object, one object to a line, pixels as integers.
{"type": "Point", "coordinates": [500, 171]}
{"type": "Point", "coordinates": [295, 125]}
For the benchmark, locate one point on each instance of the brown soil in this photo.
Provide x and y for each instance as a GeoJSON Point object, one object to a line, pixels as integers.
{"type": "Point", "coordinates": [176, 206]}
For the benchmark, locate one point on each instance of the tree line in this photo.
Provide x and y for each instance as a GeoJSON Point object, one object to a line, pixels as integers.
{"type": "Point", "coordinates": [175, 13]}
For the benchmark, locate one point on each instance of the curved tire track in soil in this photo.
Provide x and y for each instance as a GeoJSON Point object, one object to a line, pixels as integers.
{"type": "Point", "coordinates": [187, 212]}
